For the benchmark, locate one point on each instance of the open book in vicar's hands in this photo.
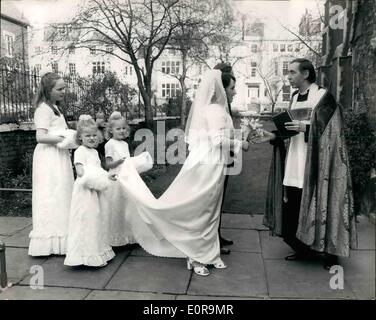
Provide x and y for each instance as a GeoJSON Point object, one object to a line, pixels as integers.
{"type": "Point", "coordinates": [280, 120]}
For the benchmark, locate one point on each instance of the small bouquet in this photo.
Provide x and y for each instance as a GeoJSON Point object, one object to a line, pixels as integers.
{"type": "Point", "coordinates": [251, 128]}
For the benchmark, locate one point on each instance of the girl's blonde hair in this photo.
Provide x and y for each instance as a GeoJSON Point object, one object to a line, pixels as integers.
{"type": "Point", "coordinates": [47, 82]}
{"type": "Point", "coordinates": [115, 116]}
{"type": "Point", "coordinates": [84, 122]}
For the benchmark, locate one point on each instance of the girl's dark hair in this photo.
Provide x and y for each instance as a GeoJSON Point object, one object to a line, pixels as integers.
{"type": "Point", "coordinates": [47, 82]}
{"type": "Point", "coordinates": [224, 67]}
{"type": "Point", "coordinates": [305, 64]}
{"type": "Point", "coordinates": [226, 79]}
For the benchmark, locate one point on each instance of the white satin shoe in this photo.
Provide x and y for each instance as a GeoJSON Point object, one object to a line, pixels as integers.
{"type": "Point", "coordinates": [220, 265]}
{"type": "Point", "coordinates": [199, 270]}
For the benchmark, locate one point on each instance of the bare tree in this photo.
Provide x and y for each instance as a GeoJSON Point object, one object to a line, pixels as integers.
{"type": "Point", "coordinates": [309, 34]}
{"type": "Point", "coordinates": [273, 81]}
{"type": "Point", "coordinates": [136, 32]}
{"type": "Point", "coordinates": [199, 25]}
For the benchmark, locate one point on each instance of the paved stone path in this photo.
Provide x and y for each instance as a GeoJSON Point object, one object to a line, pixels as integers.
{"type": "Point", "coordinates": [256, 270]}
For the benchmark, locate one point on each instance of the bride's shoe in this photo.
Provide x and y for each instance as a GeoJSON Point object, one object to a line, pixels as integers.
{"type": "Point", "coordinates": [199, 270]}
{"type": "Point", "coordinates": [220, 265]}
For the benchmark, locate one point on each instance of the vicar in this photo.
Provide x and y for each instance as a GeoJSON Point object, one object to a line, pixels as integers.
{"type": "Point", "coordinates": [309, 200]}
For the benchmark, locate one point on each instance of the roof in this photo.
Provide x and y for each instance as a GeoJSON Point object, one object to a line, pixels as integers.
{"type": "Point", "coordinates": [11, 13]}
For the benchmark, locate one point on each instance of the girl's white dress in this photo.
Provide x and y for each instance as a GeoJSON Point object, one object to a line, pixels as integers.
{"type": "Point", "coordinates": [120, 233]}
{"type": "Point", "coordinates": [52, 189]}
{"type": "Point", "coordinates": [88, 224]}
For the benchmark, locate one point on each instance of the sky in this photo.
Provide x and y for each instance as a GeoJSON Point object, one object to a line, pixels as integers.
{"type": "Point", "coordinates": [47, 11]}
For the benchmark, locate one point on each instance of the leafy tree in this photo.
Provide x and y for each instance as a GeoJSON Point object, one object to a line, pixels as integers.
{"type": "Point", "coordinates": [136, 32]}
{"type": "Point", "coordinates": [104, 93]}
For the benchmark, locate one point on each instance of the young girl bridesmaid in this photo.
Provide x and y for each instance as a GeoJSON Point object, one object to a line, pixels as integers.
{"type": "Point", "coordinates": [52, 172]}
{"type": "Point", "coordinates": [88, 221]}
{"type": "Point", "coordinates": [117, 150]}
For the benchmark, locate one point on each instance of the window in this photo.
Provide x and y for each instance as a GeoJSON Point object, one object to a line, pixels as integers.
{"type": "Point", "coordinates": [37, 68]}
{"type": "Point", "coordinates": [9, 44]}
{"type": "Point", "coordinates": [71, 50]}
{"type": "Point", "coordinates": [297, 47]}
{"type": "Point", "coordinates": [282, 47]}
{"type": "Point", "coordinates": [128, 70]}
{"type": "Point", "coordinates": [275, 47]}
{"type": "Point", "coordinates": [169, 90]}
{"type": "Point", "coordinates": [276, 66]}
{"type": "Point", "coordinates": [290, 48]}
{"type": "Point", "coordinates": [254, 48]}
{"type": "Point", "coordinates": [55, 67]}
{"type": "Point", "coordinates": [98, 67]}
{"type": "Point", "coordinates": [72, 68]}
{"type": "Point", "coordinates": [253, 91]}
{"type": "Point", "coordinates": [253, 69]}
{"type": "Point", "coordinates": [109, 48]}
{"type": "Point", "coordinates": [92, 50]}
{"type": "Point", "coordinates": [37, 50]}
{"type": "Point", "coordinates": [285, 68]}
{"type": "Point", "coordinates": [54, 50]}
{"type": "Point", "coordinates": [286, 90]}
{"type": "Point", "coordinates": [170, 67]}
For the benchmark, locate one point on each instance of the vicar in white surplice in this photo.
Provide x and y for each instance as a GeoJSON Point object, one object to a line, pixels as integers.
{"type": "Point", "coordinates": [184, 221]}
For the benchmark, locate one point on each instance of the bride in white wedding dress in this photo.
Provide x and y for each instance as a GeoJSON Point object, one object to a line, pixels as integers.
{"type": "Point", "coordinates": [184, 221]}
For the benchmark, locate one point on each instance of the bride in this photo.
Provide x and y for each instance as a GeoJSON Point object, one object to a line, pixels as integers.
{"type": "Point", "coordinates": [184, 221]}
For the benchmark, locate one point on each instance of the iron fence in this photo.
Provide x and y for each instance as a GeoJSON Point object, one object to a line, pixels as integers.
{"type": "Point", "coordinates": [19, 84]}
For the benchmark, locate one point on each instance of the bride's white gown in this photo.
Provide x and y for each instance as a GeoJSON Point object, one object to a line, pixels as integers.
{"type": "Point", "coordinates": [184, 221]}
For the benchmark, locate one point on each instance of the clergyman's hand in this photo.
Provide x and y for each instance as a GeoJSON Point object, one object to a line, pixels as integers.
{"type": "Point", "coordinates": [265, 137]}
{"type": "Point", "coordinates": [296, 126]}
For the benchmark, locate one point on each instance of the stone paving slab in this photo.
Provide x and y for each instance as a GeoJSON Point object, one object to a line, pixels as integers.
{"type": "Point", "coordinates": [11, 225]}
{"type": "Point", "coordinates": [273, 247]}
{"type": "Point", "coordinates": [58, 275]}
{"type": "Point", "coordinates": [244, 277]}
{"type": "Point", "coordinates": [18, 263]}
{"type": "Point", "coordinates": [190, 297]}
{"type": "Point", "coordinates": [140, 252]}
{"type": "Point", "coordinates": [20, 239]}
{"type": "Point", "coordinates": [236, 221]}
{"type": "Point", "coordinates": [359, 270]}
{"type": "Point", "coordinates": [256, 222]}
{"type": "Point", "coordinates": [45, 293]}
{"type": "Point", "coordinates": [366, 234]}
{"type": "Point", "coordinates": [124, 295]}
{"type": "Point", "coordinates": [3, 238]}
{"type": "Point", "coordinates": [302, 279]}
{"type": "Point", "coordinates": [151, 274]}
{"type": "Point", "coordinates": [244, 240]}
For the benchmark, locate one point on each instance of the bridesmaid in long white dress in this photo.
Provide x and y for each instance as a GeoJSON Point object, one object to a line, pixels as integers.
{"type": "Point", "coordinates": [88, 220]}
{"type": "Point", "coordinates": [184, 221]}
{"type": "Point", "coordinates": [116, 151]}
{"type": "Point", "coordinates": [52, 172]}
